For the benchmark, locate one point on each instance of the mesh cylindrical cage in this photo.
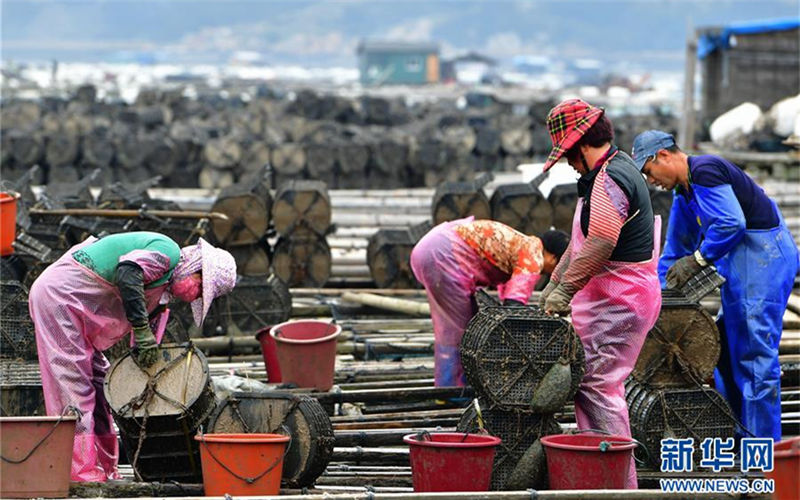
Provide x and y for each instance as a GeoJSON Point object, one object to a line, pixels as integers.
{"type": "Point", "coordinates": [516, 430]}
{"type": "Point", "coordinates": [681, 349]}
{"type": "Point", "coordinates": [302, 417]}
{"type": "Point", "coordinates": [256, 302]}
{"type": "Point", "coordinates": [17, 337]}
{"type": "Point", "coordinates": [506, 351]}
{"type": "Point", "coordinates": [656, 414]}
{"type": "Point", "coordinates": [20, 389]}
{"type": "Point", "coordinates": [389, 258]}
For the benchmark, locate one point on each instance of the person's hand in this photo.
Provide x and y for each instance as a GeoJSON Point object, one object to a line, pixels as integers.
{"type": "Point", "coordinates": [557, 301]}
{"type": "Point", "coordinates": [513, 303]}
{"type": "Point", "coordinates": [551, 285]}
{"type": "Point", "coordinates": [146, 347]}
{"type": "Point", "coordinates": [682, 270]}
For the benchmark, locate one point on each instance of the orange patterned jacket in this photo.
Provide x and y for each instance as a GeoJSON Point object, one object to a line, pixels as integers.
{"type": "Point", "coordinates": [512, 252]}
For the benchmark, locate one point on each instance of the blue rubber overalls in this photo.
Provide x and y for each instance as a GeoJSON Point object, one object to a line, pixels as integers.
{"type": "Point", "coordinates": [759, 266]}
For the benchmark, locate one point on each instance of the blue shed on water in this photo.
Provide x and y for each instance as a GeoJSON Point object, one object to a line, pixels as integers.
{"type": "Point", "coordinates": [391, 62]}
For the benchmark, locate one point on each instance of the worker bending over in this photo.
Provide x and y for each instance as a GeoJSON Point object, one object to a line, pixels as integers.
{"type": "Point", "coordinates": [720, 216]}
{"type": "Point", "coordinates": [457, 257]}
{"type": "Point", "coordinates": [88, 300]}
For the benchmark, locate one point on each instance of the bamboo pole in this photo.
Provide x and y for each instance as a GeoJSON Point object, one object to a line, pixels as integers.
{"type": "Point", "coordinates": [372, 481]}
{"type": "Point", "coordinates": [422, 382]}
{"type": "Point", "coordinates": [389, 303]}
{"type": "Point", "coordinates": [687, 123]}
{"type": "Point", "coordinates": [371, 455]}
{"type": "Point", "coordinates": [406, 394]}
{"type": "Point", "coordinates": [452, 412]}
{"type": "Point", "coordinates": [380, 437]}
{"type": "Point", "coordinates": [399, 424]}
{"type": "Point", "coordinates": [362, 349]}
{"type": "Point", "coordinates": [425, 405]}
{"type": "Point", "coordinates": [107, 212]}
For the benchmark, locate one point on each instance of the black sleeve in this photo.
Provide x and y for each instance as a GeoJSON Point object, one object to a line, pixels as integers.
{"type": "Point", "coordinates": [130, 281]}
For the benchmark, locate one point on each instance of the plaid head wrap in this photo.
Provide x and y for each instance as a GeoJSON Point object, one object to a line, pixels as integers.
{"type": "Point", "coordinates": [567, 122]}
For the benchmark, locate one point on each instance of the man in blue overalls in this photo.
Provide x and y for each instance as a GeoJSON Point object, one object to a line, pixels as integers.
{"type": "Point", "coordinates": [720, 216]}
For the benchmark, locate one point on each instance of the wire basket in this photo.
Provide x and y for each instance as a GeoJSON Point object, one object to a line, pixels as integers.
{"type": "Point", "coordinates": [702, 283]}
{"type": "Point", "coordinates": [516, 430]}
{"type": "Point", "coordinates": [17, 337]}
{"type": "Point", "coordinates": [506, 351]}
{"type": "Point", "coordinates": [256, 302]}
{"type": "Point", "coordinates": [302, 417]}
{"type": "Point", "coordinates": [681, 349]}
{"type": "Point", "coordinates": [20, 389]}
{"type": "Point", "coordinates": [657, 414]}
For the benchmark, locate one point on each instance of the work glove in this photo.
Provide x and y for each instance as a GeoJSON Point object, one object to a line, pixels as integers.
{"type": "Point", "coordinates": [557, 301]}
{"type": "Point", "coordinates": [551, 285]}
{"type": "Point", "coordinates": [513, 303]}
{"type": "Point", "coordinates": [146, 350]}
{"type": "Point", "coordinates": [682, 270]}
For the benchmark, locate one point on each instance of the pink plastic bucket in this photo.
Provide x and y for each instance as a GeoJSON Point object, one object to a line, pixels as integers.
{"type": "Point", "coordinates": [307, 352]}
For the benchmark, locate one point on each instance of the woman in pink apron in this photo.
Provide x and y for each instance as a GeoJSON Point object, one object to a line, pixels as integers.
{"type": "Point", "coordinates": [607, 279]}
{"type": "Point", "coordinates": [457, 257]}
{"type": "Point", "coordinates": [91, 297]}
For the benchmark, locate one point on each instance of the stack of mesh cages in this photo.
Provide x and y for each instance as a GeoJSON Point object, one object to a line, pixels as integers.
{"type": "Point", "coordinates": [17, 338]}
{"type": "Point", "coordinates": [667, 392]}
{"type": "Point", "coordinates": [506, 352]}
{"type": "Point", "coordinates": [20, 383]}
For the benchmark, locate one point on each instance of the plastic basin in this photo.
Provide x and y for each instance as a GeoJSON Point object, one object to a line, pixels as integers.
{"type": "Point", "coordinates": [40, 454]}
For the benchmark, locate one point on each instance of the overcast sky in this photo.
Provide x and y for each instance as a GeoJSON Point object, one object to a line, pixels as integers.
{"type": "Point", "coordinates": [325, 33]}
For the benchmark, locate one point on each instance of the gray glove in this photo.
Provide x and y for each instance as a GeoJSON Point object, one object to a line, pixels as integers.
{"type": "Point", "coordinates": [146, 348]}
{"type": "Point", "coordinates": [682, 270]}
{"type": "Point", "coordinates": [558, 301]}
{"type": "Point", "coordinates": [551, 285]}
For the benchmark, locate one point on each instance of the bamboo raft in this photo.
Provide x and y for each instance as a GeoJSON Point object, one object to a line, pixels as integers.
{"type": "Point", "coordinates": [384, 369]}
{"type": "Point", "coordinates": [383, 392]}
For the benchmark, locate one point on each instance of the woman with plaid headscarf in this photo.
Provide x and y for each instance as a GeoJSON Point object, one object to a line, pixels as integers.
{"type": "Point", "coordinates": [90, 298]}
{"type": "Point", "coordinates": [607, 279]}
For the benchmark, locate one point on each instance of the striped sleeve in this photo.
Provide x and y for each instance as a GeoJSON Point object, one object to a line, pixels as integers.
{"type": "Point", "coordinates": [609, 208]}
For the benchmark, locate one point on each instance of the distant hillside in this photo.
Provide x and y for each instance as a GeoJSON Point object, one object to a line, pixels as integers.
{"type": "Point", "coordinates": [646, 33]}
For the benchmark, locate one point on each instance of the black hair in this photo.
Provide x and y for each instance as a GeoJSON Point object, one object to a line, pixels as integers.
{"type": "Point", "coordinates": [555, 242]}
{"type": "Point", "coordinates": [598, 134]}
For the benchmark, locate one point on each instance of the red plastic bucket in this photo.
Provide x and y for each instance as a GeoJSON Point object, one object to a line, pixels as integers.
{"type": "Point", "coordinates": [8, 222]}
{"type": "Point", "coordinates": [588, 461]}
{"type": "Point", "coordinates": [43, 448]}
{"type": "Point", "coordinates": [242, 464]}
{"type": "Point", "coordinates": [269, 350]}
{"type": "Point", "coordinates": [786, 472]}
{"type": "Point", "coordinates": [451, 461]}
{"type": "Point", "coordinates": [307, 352]}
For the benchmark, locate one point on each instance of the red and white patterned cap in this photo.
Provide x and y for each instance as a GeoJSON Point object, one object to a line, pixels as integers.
{"type": "Point", "coordinates": [567, 122]}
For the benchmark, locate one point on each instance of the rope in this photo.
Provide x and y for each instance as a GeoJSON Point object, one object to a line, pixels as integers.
{"type": "Point", "coordinates": [145, 398]}
{"type": "Point", "coordinates": [67, 410]}
{"type": "Point", "coordinates": [235, 405]}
